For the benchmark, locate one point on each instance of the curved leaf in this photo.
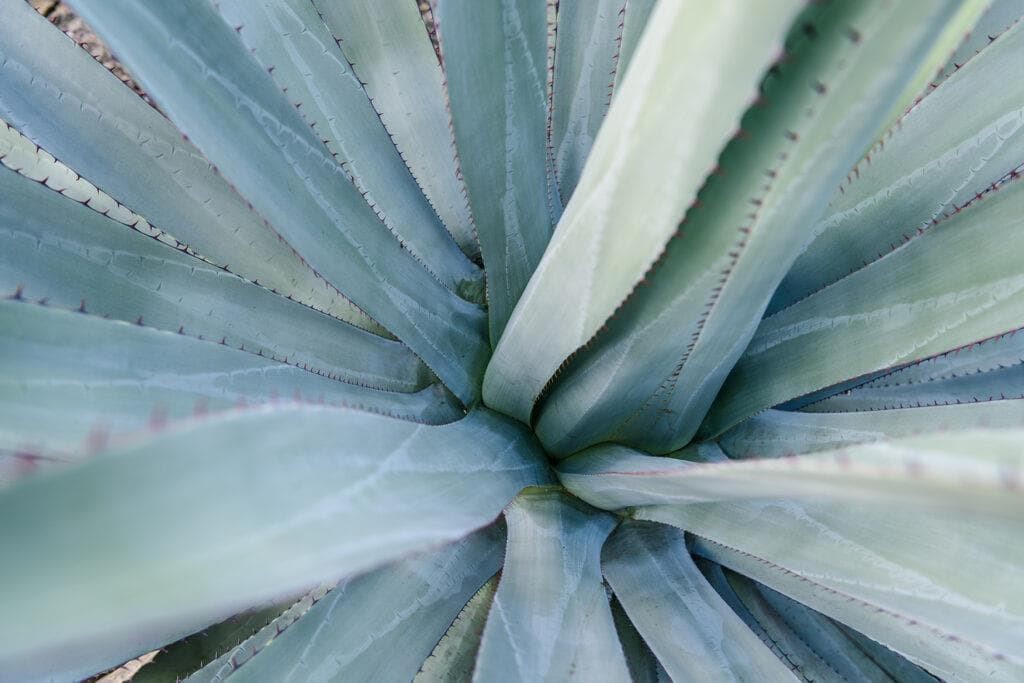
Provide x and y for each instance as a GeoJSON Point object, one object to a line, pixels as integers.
{"type": "Point", "coordinates": [906, 579]}
{"type": "Point", "coordinates": [71, 383]}
{"type": "Point", "coordinates": [115, 562]}
{"type": "Point", "coordinates": [388, 47]}
{"type": "Point", "coordinates": [66, 102]}
{"type": "Point", "coordinates": [454, 656]}
{"type": "Point", "coordinates": [292, 43]}
{"type": "Point", "coordinates": [193, 63]}
{"type": "Point", "coordinates": [221, 667]}
{"type": "Point", "coordinates": [586, 57]}
{"type": "Point", "coordinates": [550, 619]}
{"type": "Point", "coordinates": [175, 662]}
{"type": "Point", "coordinates": [932, 164]}
{"type": "Point", "coordinates": [777, 433]}
{"type": "Point", "coordinates": [949, 286]}
{"type": "Point", "coordinates": [687, 625]}
{"type": "Point", "coordinates": [974, 470]}
{"type": "Point", "coordinates": [649, 379]}
{"type": "Point", "coordinates": [630, 198]}
{"type": "Point", "coordinates": [69, 255]}
{"type": "Point", "coordinates": [495, 65]}
{"type": "Point", "coordinates": [381, 625]}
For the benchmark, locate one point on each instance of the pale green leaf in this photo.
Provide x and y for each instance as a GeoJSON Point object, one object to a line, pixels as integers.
{"type": "Point", "coordinates": [949, 286]}
{"type": "Point", "coordinates": [686, 90]}
{"type": "Point", "coordinates": [940, 156]}
{"type": "Point", "coordinates": [550, 619]}
{"type": "Point", "coordinates": [141, 546]}
{"type": "Point", "coordinates": [381, 625]}
{"type": "Point", "coordinates": [649, 379]}
{"type": "Point", "coordinates": [69, 255]}
{"type": "Point", "coordinates": [685, 622]}
{"type": "Point", "coordinates": [67, 103]}
{"type": "Point", "coordinates": [292, 42]}
{"type": "Point", "coordinates": [971, 470]}
{"type": "Point", "coordinates": [454, 657]}
{"type": "Point", "coordinates": [70, 383]}
{"type": "Point", "coordinates": [389, 49]}
{"type": "Point", "coordinates": [776, 433]}
{"type": "Point", "coordinates": [495, 65]}
{"type": "Point", "coordinates": [908, 579]}
{"type": "Point", "coordinates": [197, 68]}
{"type": "Point", "coordinates": [997, 18]}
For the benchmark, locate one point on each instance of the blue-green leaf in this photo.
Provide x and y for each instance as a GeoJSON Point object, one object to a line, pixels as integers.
{"type": "Point", "coordinates": [928, 167]}
{"type": "Point", "coordinates": [387, 44]}
{"type": "Point", "coordinates": [141, 546]}
{"type": "Point", "coordinates": [685, 93]}
{"type": "Point", "coordinates": [687, 625]}
{"type": "Point", "coordinates": [381, 625]}
{"type": "Point", "coordinates": [907, 579]}
{"type": "Point", "coordinates": [948, 287]}
{"type": "Point", "coordinates": [70, 383]}
{"type": "Point", "coordinates": [649, 379]}
{"type": "Point", "coordinates": [69, 255]}
{"type": "Point", "coordinates": [495, 63]}
{"type": "Point", "coordinates": [550, 619]}
{"type": "Point", "coordinates": [199, 71]}
{"type": "Point", "coordinates": [586, 60]}
{"type": "Point", "coordinates": [66, 102]}
{"type": "Point", "coordinates": [292, 42]}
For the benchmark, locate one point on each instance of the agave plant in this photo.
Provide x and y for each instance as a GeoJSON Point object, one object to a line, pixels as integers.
{"type": "Point", "coordinates": [514, 340]}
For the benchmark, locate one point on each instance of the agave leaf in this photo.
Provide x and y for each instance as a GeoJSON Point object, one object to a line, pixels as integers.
{"type": "Point", "coordinates": [933, 294]}
{"type": "Point", "coordinates": [382, 625]}
{"type": "Point", "coordinates": [992, 355]}
{"type": "Point", "coordinates": [809, 642]}
{"type": "Point", "coordinates": [900, 668]}
{"type": "Point", "coordinates": [972, 470]}
{"type": "Point", "coordinates": [906, 578]}
{"type": "Point", "coordinates": [186, 656]}
{"type": "Point", "coordinates": [999, 16]}
{"type": "Point", "coordinates": [777, 433]}
{"type": "Point", "coordinates": [630, 198]}
{"type": "Point", "coordinates": [221, 667]}
{"type": "Point", "coordinates": [69, 255]}
{"type": "Point", "coordinates": [650, 378]}
{"type": "Point", "coordinates": [586, 60]}
{"type": "Point", "coordinates": [64, 101]}
{"type": "Point", "coordinates": [961, 22]}
{"type": "Point", "coordinates": [71, 382]}
{"type": "Point", "coordinates": [644, 667]}
{"type": "Point", "coordinates": [880, 394]}
{"type": "Point", "coordinates": [454, 656]}
{"type": "Point", "coordinates": [928, 167]}
{"type": "Point", "coordinates": [634, 20]}
{"type": "Point", "coordinates": [788, 646]}
{"type": "Point", "coordinates": [115, 562]}
{"type": "Point", "coordinates": [387, 45]}
{"type": "Point", "coordinates": [291, 41]}
{"type": "Point", "coordinates": [550, 619]}
{"type": "Point", "coordinates": [688, 626]}
{"type": "Point", "coordinates": [495, 63]}
{"type": "Point", "coordinates": [194, 64]}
